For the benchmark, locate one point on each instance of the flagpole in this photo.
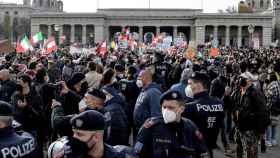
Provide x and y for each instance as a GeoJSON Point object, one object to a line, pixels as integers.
{"type": "Point", "coordinates": [149, 4]}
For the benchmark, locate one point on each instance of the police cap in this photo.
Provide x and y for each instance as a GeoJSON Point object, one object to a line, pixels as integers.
{"type": "Point", "coordinates": [200, 77]}
{"type": "Point", "coordinates": [171, 95]}
{"type": "Point", "coordinates": [6, 110]}
{"type": "Point", "coordinates": [90, 120]}
{"type": "Point", "coordinates": [97, 93]}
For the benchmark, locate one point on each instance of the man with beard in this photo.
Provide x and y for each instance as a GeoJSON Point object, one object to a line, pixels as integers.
{"type": "Point", "coordinates": [87, 141]}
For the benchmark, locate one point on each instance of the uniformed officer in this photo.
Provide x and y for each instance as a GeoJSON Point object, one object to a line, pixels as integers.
{"type": "Point", "coordinates": [170, 135]}
{"type": "Point", "coordinates": [206, 112]}
{"type": "Point", "coordinates": [14, 144]}
{"type": "Point", "coordinates": [87, 141]}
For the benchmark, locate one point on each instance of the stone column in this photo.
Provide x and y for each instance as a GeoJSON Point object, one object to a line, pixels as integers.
{"type": "Point", "coordinates": [84, 34]}
{"type": "Point", "coordinates": [35, 29]}
{"type": "Point", "coordinates": [215, 33]}
{"type": "Point", "coordinates": [60, 33]}
{"type": "Point", "coordinates": [141, 33]}
{"type": "Point", "coordinates": [175, 31]}
{"type": "Point", "coordinates": [99, 33]}
{"type": "Point", "coordinates": [239, 36]}
{"type": "Point", "coordinates": [192, 35]}
{"type": "Point", "coordinates": [49, 30]}
{"type": "Point", "coordinates": [227, 35]}
{"type": "Point", "coordinates": [107, 33]}
{"type": "Point", "coordinates": [72, 38]}
{"type": "Point", "coordinates": [200, 34]}
{"type": "Point", "coordinates": [267, 34]}
{"type": "Point", "coordinates": [157, 30]}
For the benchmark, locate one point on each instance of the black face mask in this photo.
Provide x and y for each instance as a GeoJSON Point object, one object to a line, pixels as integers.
{"type": "Point", "coordinates": [78, 146]}
{"type": "Point", "coordinates": [243, 82]}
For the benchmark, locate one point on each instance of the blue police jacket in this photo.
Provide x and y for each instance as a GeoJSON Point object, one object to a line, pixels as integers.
{"type": "Point", "coordinates": [173, 140]}
{"type": "Point", "coordinates": [208, 114]}
{"type": "Point", "coordinates": [17, 144]}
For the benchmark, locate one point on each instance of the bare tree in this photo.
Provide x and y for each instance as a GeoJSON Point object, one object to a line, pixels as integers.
{"type": "Point", "coordinates": [7, 27]}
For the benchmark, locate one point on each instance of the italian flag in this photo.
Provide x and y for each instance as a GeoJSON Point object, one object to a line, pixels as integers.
{"type": "Point", "coordinates": [36, 38]}
{"type": "Point", "coordinates": [50, 46]}
{"type": "Point", "coordinates": [24, 45]}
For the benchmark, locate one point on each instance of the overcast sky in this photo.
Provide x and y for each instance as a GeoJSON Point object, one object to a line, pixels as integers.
{"type": "Point", "coordinates": [209, 6]}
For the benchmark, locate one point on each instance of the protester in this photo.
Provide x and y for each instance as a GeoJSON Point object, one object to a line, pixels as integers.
{"type": "Point", "coordinates": [7, 87]}
{"type": "Point", "coordinates": [125, 85]}
{"type": "Point", "coordinates": [250, 116]}
{"type": "Point", "coordinates": [93, 78]}
{"type": "Point", "coordinates": [147, 104]}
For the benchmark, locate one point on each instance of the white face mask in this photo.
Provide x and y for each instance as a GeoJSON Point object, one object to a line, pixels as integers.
{"type": "Point", "coordinates": [121, 76]}
{"type": "Point", "coordinates": [82, 104]}
{"type": "Point", "coordinates": [189, 92]}
{"type": "Point", "coordinates": [139, 83]}
{"type": "Point", "coordinates": [168, 116]}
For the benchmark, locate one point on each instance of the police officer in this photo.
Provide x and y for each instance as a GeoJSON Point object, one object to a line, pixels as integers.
{"type": "Point", "coordinates": [206, 112]}
{"type": "Point", "coordinates": [170, 135]}
{"type": "Point", "coordinates": [87, 141]}
{"type": "Point", "coordinates": [14, 144]}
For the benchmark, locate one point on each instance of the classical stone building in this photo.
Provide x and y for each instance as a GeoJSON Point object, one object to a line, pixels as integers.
{"type": "Point", "coordinates": [229, 29]}
{"type": "Point", "coordinates": [22, 12]}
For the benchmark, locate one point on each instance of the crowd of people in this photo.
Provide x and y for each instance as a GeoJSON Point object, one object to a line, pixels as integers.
{"type": "Point", "coordinates": [152, 104]}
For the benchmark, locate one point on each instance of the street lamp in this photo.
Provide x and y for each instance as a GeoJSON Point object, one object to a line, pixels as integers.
{"type": "Point", "coordinates": [251, 29]}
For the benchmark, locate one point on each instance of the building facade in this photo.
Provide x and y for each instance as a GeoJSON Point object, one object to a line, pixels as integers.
{"type": "Point", "coordinates": [228, 29]}
{"type": "Point", "coordinates": [20, 13]}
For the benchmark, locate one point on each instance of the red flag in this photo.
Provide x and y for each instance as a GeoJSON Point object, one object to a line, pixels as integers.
{"type": "Point", "coordinates": [50, 46]}
{"type": "Point", "coordinates": [24, 45]}
{"type": "Point", "coordinates": [103, 48]}
{"type": "Point", "coordinates": [214, 52]}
